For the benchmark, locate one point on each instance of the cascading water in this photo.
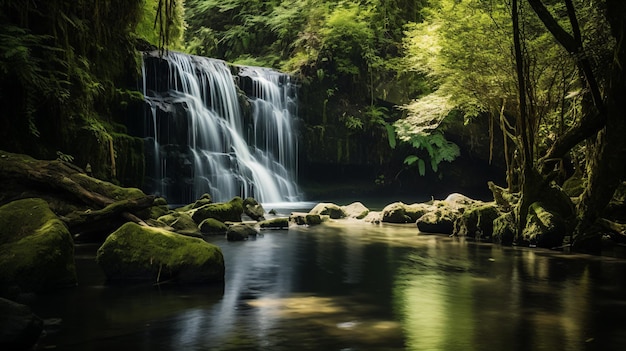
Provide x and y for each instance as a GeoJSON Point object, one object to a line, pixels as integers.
{"type": "Point", "coordinates": [203, 135]}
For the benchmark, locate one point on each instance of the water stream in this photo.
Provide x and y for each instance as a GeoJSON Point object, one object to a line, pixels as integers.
{"type": "Point", "coordinates": [354, 287]}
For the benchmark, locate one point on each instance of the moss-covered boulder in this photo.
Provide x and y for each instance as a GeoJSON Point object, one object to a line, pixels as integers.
{"type": "Point", "coordinates": [399, 212]}
{"type": "Point", "coordinates": [36, 249]}
{"type": "Point", "coordinates": [504, 229]}
{"type": "Point", "coordinates": [313, 219]}
{"type": "Point", "coordinates": [158, 209]}
{"type": "Point", "coordinates": [275, 223]}
{"type": "Point", "coordinates": [135, 252]}
{"type": "Point", "coordinates": [544, 228]}
{"type": "Point", "coordinates": [212, 226]}
{"type": "Point", "coordinates": [239, 232]}
{"type": "Point", "coordinates": [328, 209]}
{"type": "Point", "coordinates": [20, 329]}
{"type": "Point", "coordinates": [439, 221]}
{"type": "Point", "coordinates": [356, 210]}
{"type": "Point", "coordinates": [476, 221]}
{"type": "Point", "coordinates": [185, 225]}
{"type": "Point", "coordinates": [253, 209]}
{"type": "Point", "coordinates": [222, 211]}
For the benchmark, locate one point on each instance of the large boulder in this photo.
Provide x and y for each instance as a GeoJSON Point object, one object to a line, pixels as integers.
{"type": "Point", "coordinates": [399, 212]}
{"type": "Point", "coordinates": [239, 232]}
{"type": "Point", "coordinates": [212, 226]}
{"type": "Point", "coordinates": [36, 249]}
{"type": "Point", "coordinates": [328, 209]}
{"type": "Point", "coordinates": [439, 221]}
{"type": "Point", "coordinates": [356, 210]}
{"type": "Point", "coordinates": [253, 209]}
{"type": "Point", "coordinates": [145, 253]}
{"type": "Point", "coordinates": [222, 211]}
{"type": "Point", "coordinates": [19, 327]}
{"type": "Point", "coordinates": [476, 221]}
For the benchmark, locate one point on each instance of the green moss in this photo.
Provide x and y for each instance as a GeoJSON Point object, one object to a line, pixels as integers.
{"type": "Point", "coordinates": [108, 189]}
{"type": "Point", "coordinates": [212, 226]}
{"type": "Point", "coordinates": [37, 250]}
{"type": "Point", "coordinates": [275, 223]}
{"type": "Point", "coordinates": [136, 252]}
{"type": "Point", "coordinates": [223, 211]}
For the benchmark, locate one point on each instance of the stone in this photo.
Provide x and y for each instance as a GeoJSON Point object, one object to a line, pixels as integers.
{"type": "Point", "coordinates": [275, 223]}
{"type": "Point", "coordinates": [36, 249]}
{"type": "Point", "coordinates": [356, 210]}
{"type": "Point", "coordinates": [253, 209]}
{"type": "Point", "coordinates": [20, 328]}
{"type": "Point", "coordinates": [328, 209]}
{"type": "Point", "coordinates": [135, 252]}
{"type": "Point", "coordinates": [399, 212]}
{"type": "Point", "coordinates": [212, 226]}
{"type": "Point", "coordinates": [222, 211]}
{"type": "Point", "coordinates": [239, 232]}
{"type": "Point", "coordinates": [439, 221]}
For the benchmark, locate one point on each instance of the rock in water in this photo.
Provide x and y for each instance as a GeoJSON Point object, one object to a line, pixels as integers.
{"type": "Point", "coordinates": [137, 252]}
{"type": "Point", "coordinates": [19, 327]}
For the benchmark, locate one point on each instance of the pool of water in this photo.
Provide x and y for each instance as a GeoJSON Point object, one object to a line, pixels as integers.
{"type": "Point", "coordinates": [353, 286]}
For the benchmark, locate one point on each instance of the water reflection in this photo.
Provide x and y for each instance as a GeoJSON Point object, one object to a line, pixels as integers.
{"type": "Point", "coordinates": [358, 287]}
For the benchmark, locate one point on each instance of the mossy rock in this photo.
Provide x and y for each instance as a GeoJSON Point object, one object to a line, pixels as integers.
{"type": "Point", "coordinates": [313, 219]}
{"type": "Point", "coordinates": [20, 328]}
{"type": "Point", "coordinates": [253, 209]}
{"type": "Point", "coordinates": [224, 211]}
{"type": "Point", "coordinates": [356, 210]}
{"type": "Point", "coordinates": [239, 232]}
{"type": "Point", "coordinates": [399, 212]}
{"type": "Point", "coordinates": [107, 189]}
{"type": "Point", "coordinates": [135, 252]}
{"type": "Point", "coordinates": [36, 249]}
{"type": "Point", "coordinates": [212, 226]}
{"type": "Point", "coordinates": [184, 224]}
{"type": "Point", "coordinates": [328, 209]}
{"type": "Point", "coordinates": [275, 223]}
{"type": "Point", "coordinates": [440, 221]}
{"type": "Point", "coordinates": [477, 221]}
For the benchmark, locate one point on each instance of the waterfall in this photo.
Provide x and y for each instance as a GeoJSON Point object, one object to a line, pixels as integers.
{"type": "Point", "coordinates": [218, 129]}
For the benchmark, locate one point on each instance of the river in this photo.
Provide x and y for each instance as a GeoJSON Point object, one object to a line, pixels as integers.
{"type": "Point", "coordinates": [353, 286]}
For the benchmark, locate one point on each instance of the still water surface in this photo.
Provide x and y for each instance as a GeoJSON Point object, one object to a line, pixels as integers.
{"type": "Point", "coordinates": [354, 286]}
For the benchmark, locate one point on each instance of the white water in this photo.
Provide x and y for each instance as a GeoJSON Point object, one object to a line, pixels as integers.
{"type": "Point", "coordinates": [221, 153]}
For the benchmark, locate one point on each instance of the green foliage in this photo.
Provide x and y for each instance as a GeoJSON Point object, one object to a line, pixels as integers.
{"type": "Point", "coordinates": [434, 147]}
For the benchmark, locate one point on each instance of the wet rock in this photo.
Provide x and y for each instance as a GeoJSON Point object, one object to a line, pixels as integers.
{"type": "Point", "coordinates": [399, 212]}
{"type": "Point", "coordinates": [439, 221]}
{"type": "Point", "coordinates": [356, 210]}
{"type": "Point", "coordinates": [253, 209]}
{"type": "Point", "coordinates": [275, 223]}
{"type": "Point", "coordinates": [239, 232]}
{"type": "Point", "coordinates": [137, 252]}
{"type": "Point", "coordinates": [223, 211]}
{"type": "Point", "coordinates": [19, 327]}
{"type": "Point", "coordinates": [212, 226]}
{"type": "Point", "coordinates": [328, 209]}
{"type": "Point", "coordinates": [36, 249]}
